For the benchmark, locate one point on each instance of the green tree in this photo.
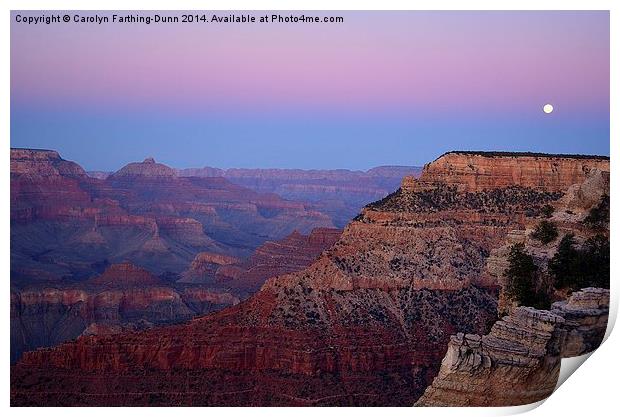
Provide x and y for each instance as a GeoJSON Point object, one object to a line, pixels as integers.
{"type": "Point", "coordinates": [545, 232]}
{"type": "Point", "coordinates": [564, 266]}
{"type": "Point", "coordinates": [521, 276]}
{"type": "Point", "coordinates": [578, 268]}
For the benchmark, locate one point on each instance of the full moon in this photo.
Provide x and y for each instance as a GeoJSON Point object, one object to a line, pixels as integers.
{"type": "Point", "coordinates": [547, 108]}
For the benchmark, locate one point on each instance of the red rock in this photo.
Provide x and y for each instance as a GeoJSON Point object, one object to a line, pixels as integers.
{"type": "Point", "coordinates": [476, 171]}
{"type": "Point", "coordinates": [123, 297]}
{"type": "Point", "coordinates": [272, 259]}
{"type": "Point", "coordinates": [126, 274]}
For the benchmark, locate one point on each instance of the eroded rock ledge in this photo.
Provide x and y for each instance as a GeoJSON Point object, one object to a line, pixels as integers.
{"type": "Point", "coordinates": [518, 362]}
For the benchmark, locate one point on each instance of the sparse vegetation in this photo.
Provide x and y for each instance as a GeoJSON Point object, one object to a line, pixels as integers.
{"type": "Point", "coordinates": [545, 232]}
{"type": "Point", "coordinates": [444, 197]}
{"type": "Point", "coordinates": [522, 279]}
{"type": "Point", "coordinates": [578, 268]}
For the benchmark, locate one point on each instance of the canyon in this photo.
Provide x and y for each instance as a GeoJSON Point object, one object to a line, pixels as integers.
{"type": "Point", "coordinates": [65, 224]}
{"type": "Point", "coordinates": [368, 322]}
{"type": "Point", "coordinates": [339, 193]}
{"type": "Point", "coordinates": [125, 296]}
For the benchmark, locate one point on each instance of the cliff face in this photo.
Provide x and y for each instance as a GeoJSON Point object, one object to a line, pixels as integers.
{"type": "Point", "coordinates": [477, 171]}
{"type": "Point", "coordinates": [518, 362]}
{"type": "Point", "coordinates": [42, 163]}
{"type": "Point", "coordinates": [569, 214]}
{"type": "Point", "coordinates": [367, 323]}
{"type": "Point", "coordinates": [271, 259]}
{"type": "Point", "coordinates": [123, 297]}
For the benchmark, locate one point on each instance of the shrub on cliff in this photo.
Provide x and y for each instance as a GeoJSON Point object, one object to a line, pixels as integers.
{"type": "Point", "coordinates": [547, 211]}
{"type": "Point", "coordinates": [522, 279]}
{"type": "Point", "coordinates": [599, 215]}
{"type": "Point", "coordinates": [545, 232]}
{"type": "Point", "coordinates": [579, 268]}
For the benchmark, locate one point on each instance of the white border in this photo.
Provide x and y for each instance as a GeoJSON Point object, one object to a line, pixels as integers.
{"type": "Point", "coordinates": [591, 392]}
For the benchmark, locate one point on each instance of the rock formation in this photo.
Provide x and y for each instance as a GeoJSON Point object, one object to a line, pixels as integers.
{"type": "Point", "coordinates": [203, 268]}
{"type": "Point", "coordinates": [125, 275]}
{"type": "Point", "coordinates": [568, 214]}
{"type": "Point", "coordinates": [125, 296]}
{"type": "Point", "coordinates": [145, 169]}
{"type": "Point", "coordinates": [585, 316]}
{"type": "Point", "coordinates": [518, 362]}
{"type": "Point", "coordinates": [64, 223]}
{"type": "Point", "coordinates": [477, 171]}
{"type": "Point", "coordinates": [122, 297]}
{"type": "Point", "coordinates": [291, 254]}
{"type": "Point", "coordinates": [340, 193]}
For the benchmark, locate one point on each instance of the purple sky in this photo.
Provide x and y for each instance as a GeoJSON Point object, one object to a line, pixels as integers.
{"type": "Point", "coordinates": [380, 88]}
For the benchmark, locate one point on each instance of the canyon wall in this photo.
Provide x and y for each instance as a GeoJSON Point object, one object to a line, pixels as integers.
{"type": "Point", "coordinates": [477, 171]}
{"type": "Point", "coordinates": [123, 297]}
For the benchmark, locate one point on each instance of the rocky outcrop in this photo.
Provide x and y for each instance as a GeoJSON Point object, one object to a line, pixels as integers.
{"type": "Point", "coordinates": [518, 362]}
{"type": "Point", "coordinates": [125, 275]}
{"type": "Point", "coordinates": [568, 214]}
{"type": "Point", "coordinates": [478, 171]}
{"type": "Point", "coordinates": [204, 267]}
{"type": "Point", "coordinates": [585, 314]}
{"type": "Point", "coordinates": [272, 259]}
{"type": "Point", "coordinates": [145, 169]}
{"type": "Point", "coordinates": [42, 163]}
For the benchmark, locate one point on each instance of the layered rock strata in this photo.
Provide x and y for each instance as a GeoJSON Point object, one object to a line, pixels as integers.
{"type": "Point", "coordinates": [340, 193]}
{"type": "Point", "coordinates": [476, 171]}
{"type": "Point", "coordinates": [124, 296]}
{"type": "Point", "coordinates": [291, 254]}
{"type": "Point", "coordinates": [518, 362]}
{"type": "Point", "coordinates": [63, 222]}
